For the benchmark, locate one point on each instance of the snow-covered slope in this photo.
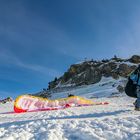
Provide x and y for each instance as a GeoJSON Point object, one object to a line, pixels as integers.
{"type": "Point", "coordinates": [105, 88]}
{"type": "Point", "coordinates": [117, 120]}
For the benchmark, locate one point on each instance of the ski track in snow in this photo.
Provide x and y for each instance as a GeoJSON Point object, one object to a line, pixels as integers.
{"type": "Point", "coordinates": [118, 120]}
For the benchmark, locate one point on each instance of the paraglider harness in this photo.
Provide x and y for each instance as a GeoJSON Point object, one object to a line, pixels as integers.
{"type": "Point", "coordinates": [133, 83]}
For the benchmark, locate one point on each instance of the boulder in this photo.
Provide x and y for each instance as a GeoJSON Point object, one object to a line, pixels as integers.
{"type": "Point", "coordinates": [135, 59]}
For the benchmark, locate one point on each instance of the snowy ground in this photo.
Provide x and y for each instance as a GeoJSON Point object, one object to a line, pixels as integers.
{"type": "Point", "coordinates": [117, 120]}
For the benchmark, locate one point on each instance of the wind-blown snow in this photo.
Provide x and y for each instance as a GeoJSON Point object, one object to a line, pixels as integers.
{"type": "Point", "coordinates": [118, 120]}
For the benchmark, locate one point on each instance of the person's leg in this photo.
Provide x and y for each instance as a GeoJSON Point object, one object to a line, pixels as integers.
{"type": "Point", "coordinates": [137, 103]}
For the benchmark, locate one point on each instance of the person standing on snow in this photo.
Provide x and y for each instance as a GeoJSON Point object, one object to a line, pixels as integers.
{"type": "Point", "coordinates": [132, 88]}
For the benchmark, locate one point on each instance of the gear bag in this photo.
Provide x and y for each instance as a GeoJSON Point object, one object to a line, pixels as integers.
{"type": "Point", "coordinates": [133, 82]}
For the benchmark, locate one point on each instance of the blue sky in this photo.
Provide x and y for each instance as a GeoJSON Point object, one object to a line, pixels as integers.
{"type": "Point", "coordinates": [39, 40]}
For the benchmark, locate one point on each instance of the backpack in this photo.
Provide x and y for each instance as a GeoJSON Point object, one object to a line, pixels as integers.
{"type": "Point", "coordinates": [133, 82]}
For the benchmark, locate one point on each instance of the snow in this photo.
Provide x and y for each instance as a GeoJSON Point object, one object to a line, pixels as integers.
{"type": "Point", "coordinates": [104, 88]}
{"type": "Point", "coordinates": [117, 120]}
{"type": "Point", "coordinates": [129, 63]}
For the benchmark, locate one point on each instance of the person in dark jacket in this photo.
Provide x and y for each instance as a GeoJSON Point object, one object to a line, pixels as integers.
{"type": "Point", "coordinates": [132, 88]}
{"type": "Point", "coordinates": [135, 77]}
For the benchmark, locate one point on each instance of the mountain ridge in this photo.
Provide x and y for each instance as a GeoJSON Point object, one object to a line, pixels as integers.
{"type": "Point", "coordinates": [91, 72]}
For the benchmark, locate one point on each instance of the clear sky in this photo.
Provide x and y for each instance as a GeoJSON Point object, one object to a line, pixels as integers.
{"type": "Point", "coordinates": [40, 39]}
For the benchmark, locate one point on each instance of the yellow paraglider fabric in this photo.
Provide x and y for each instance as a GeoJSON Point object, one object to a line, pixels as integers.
{"type": "Point", "coordinates": [26, 103]}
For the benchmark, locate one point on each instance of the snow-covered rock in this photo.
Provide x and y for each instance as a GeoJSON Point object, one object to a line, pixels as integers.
{"type": "Point", "coordinates": [91, 72]}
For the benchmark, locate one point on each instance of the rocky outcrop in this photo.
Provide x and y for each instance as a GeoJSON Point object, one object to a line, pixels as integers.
{"type": "Point", "coordinates": [135, 59]}
{"type": "Point", "coordinates": [8, 99]}
{"type": "Point", "coordinates": [120, 88]}
{"type": "Point", "coordinates": [124, 70]}
{"type": "Point", "coordinates": [91, 72]}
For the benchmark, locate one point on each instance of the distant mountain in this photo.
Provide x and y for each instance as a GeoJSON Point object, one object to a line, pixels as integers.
{"type": "Point", "coordinates": [91, 72]}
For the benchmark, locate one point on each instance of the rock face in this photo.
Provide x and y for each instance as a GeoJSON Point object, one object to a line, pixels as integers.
{"type": "Point", "coordinates": [135, 59]}
{"type": "Point", "coordinates": [91, 72]}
